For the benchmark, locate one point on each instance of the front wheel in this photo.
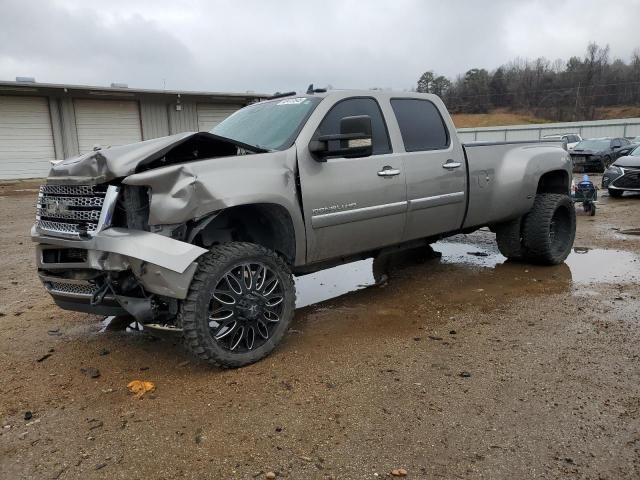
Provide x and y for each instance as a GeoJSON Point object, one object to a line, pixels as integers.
{"type": "Point", "coordinates": [549, 229]}
{"type": "Point", "coordinates": [239, 305]}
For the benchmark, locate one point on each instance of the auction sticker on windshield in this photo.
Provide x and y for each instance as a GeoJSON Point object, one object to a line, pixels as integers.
{"type": "Point", "coordinates": [292, 101]}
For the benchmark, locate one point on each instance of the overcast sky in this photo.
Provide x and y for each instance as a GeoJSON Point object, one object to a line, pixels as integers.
{"type": "Point", "coordinates": [264, 46]}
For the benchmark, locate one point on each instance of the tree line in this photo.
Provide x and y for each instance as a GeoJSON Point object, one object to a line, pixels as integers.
{"type": "Point", "coordinates": [558, 90]}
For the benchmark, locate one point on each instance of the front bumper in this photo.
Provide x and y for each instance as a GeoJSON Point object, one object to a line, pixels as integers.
{"type": "Point", "coordinates": [629, 179]}
{"type": "Point", "coordinates": [72, 270]}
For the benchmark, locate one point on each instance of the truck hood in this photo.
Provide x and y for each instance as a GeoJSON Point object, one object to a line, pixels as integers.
{"type": "Point", "coordinates": [116, 162]}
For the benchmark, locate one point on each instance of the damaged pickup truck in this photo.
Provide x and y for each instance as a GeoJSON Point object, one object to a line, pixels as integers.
{"type": "Point", "coordinates": [204, 231]}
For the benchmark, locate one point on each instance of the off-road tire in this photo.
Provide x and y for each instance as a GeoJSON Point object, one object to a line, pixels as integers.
{"type": "Point", "coordinates": [509, 239]}
{"type": "Point", "coordinates": [615, 193]}
{"type": "Point", "coordinates": [549, 229]}
{"type": "Point", "coordinates": [194, 315]}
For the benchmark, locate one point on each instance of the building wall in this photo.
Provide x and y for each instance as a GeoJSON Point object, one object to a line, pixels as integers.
{"type": "Point", "coordinates": [629, 127]}
{"type": "Point", "coordinates": [184, 120]}
{"type": "Point", "coordinates": [158, 117]}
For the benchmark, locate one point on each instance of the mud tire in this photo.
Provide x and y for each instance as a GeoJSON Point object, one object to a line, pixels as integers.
{"type": "Point", "coordinates": [549, 229]}
{"type": "Point", "coordinates": [509, 239]}
{"type": "Point", "coordinates": [194, 309]}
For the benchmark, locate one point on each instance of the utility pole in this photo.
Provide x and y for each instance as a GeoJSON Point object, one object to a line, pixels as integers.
{"type": "Point", "coordinates": [575, 109]}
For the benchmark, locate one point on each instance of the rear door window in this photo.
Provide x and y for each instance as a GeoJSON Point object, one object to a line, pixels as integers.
{"type": "Point", "coordinates": [421, 125]}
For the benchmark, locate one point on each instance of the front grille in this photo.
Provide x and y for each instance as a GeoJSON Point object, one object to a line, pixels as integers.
{"type": "Point", "coordinates": [64, 255]}
{"type": "Point", "coordinates": [72, 288]}
{"type": "Point", "coordinates": [630, 179]}
{"type": "Point", "coordinates": [69, 210]}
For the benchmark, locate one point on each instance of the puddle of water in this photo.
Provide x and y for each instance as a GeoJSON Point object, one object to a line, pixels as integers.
{"type": "Point", "coordinates": [583, 266]}
{"type": "Point", "coordinates": [586, 265]}
{"type": "Point", "coordinates": [333, 282]}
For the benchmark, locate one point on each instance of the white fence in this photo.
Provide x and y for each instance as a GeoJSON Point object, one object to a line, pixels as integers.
{"type": "Point", "coordinates": [628, 127]}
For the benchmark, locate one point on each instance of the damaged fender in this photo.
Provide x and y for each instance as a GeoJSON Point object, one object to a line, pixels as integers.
{"type": "Point", "coordinates": [193, 190]}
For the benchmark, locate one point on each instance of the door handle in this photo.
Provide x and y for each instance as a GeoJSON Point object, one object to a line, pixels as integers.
{"type": "Point", "coordinates": [388, 171]}
{"type": "Point", "coordinates": [450, 165]}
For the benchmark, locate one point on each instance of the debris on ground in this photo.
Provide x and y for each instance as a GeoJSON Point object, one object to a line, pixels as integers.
{"type": "Point", "coordinates": [140, 387]}
{"type": "Point", "coordinates": [399, 472]}
{"type": "Point", "coordinates": [28, 415]}
{"type": "Point", "coordinates": [43, 357]}
{"type": "Point", "coordinates": [91, 372]}
{"type": "Point", "coordinates": [465, 374]}
{"type": "Point", "coordinates": [270, 475]}
{"type": "Point", "coordinates": [104, 351]}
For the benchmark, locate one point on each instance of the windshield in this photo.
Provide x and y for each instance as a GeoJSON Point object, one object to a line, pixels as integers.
{"type": "Point", "coordinates": [271, 125]}
{"type": "Point", "coordinates": [635, 152]}
{"type": "Point", "coordinates": [595, 145]}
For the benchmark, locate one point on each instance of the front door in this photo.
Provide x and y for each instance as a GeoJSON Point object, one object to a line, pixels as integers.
{"type": "Point", "coordinates": [352, 205]}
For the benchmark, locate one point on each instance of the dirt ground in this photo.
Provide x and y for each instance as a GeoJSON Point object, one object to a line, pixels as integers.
{"type": "Point", "coordinates": [463, 367]}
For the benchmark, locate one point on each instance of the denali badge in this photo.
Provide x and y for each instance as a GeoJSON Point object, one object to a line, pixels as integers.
{"type": "Point", "coordinates": [334, 208]}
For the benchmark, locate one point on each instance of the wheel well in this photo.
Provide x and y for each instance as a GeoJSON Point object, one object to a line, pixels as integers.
{"type": "Point", "coordinates": [265, 224]}
{"type": "Point", "coordinates": [556, 181]}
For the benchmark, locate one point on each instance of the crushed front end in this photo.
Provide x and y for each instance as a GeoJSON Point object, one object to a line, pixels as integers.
{"type": "Point", "coordinates": [94, 252]}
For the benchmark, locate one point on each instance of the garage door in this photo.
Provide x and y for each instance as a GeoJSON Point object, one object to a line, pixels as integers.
{"type": "Point", "coordinates": [26, 139]}
{"type": "Point", "coordinates": [209, 115]}
{"type": "Point", "coordinates": [106, 123]}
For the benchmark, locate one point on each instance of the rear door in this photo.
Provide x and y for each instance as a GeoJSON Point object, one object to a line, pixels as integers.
{"type": "Point", "coordinates": [435, 169]}
{"type": "Point", "coordinates": [351, 205]}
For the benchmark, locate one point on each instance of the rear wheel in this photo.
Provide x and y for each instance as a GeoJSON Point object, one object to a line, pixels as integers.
{"type": "Point", "coordinates": [239, 305]}
{"type": "Point", "coordinates": [509, 239]}
{"type": "Point", "coordinates": [549, 229]}
{"type": "Point", "coordinates": [615, 193]}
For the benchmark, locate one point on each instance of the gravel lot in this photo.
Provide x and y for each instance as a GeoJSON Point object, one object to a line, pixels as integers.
{"type": "Point", "coordinates": [462, 367]}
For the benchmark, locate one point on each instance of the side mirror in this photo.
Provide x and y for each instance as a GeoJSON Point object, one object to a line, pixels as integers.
{"type": "Point", "coordinates": [354, 140]}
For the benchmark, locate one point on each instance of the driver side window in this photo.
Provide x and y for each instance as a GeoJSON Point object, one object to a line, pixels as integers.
{"type": "Point", "coordinates": [353, 107]}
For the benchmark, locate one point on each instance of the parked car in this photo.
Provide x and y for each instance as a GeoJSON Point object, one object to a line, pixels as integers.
{"type": "Point", "coordinates": [623, 174]}
{"type": "Point", "coordinates": [203, 231]}
{"type": "Point", "coordinates": [572, 139]}
{"type": "Point", "coordinates": [627, 149]}
{"type": "Point", "coordinates": [596, 154]}
{"type": "Point", "coordinates": [636, 140]}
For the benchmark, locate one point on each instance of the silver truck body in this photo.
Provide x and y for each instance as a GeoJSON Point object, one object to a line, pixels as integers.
{"type": "Point", "coordinates": [313, 213]}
